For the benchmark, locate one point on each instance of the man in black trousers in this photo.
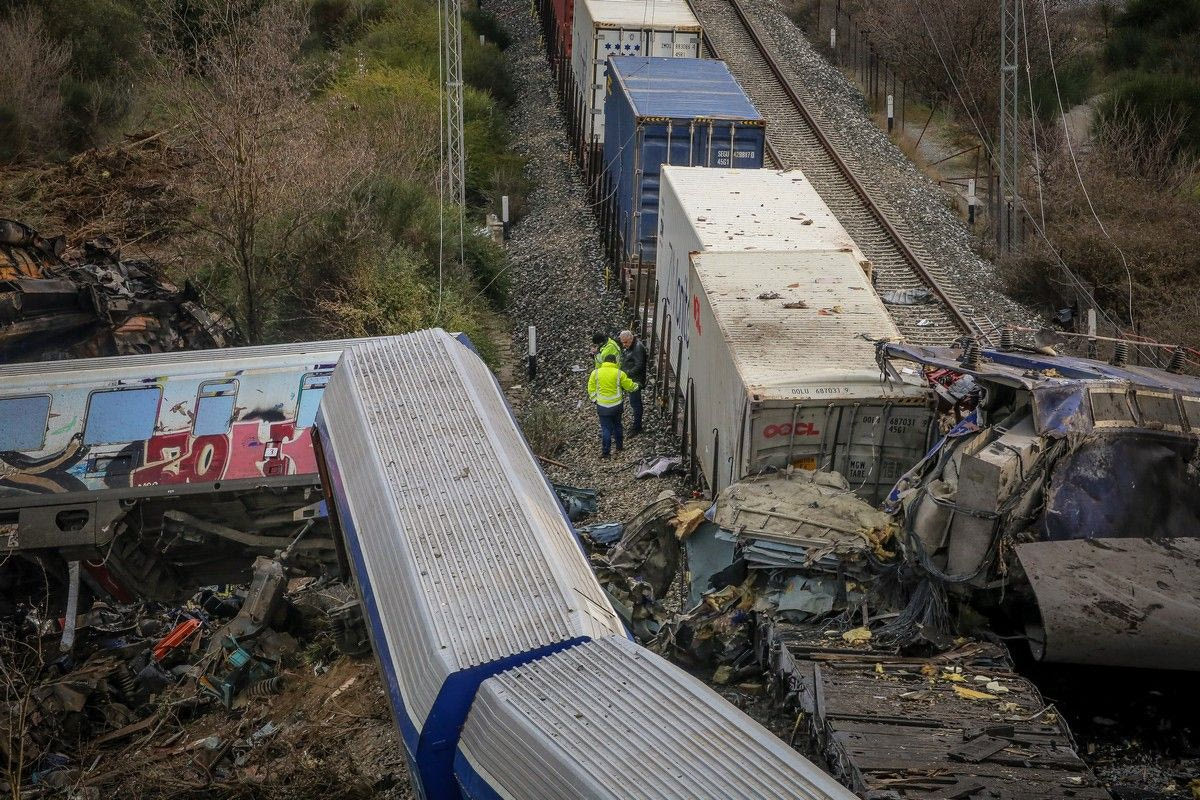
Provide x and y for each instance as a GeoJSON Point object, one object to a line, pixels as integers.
{"type": "Point", "coordinates": [633, 364]}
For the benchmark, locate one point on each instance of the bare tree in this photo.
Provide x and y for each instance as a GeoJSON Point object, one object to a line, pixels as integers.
{"type": "Point", "coordinates": [269, 160]}
{"type": "Point", "coordinates": [950, 52]}
{"type": "Point", "coordinates": [32, 64]}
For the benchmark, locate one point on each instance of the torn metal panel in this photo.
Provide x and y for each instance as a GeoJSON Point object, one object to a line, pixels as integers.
{"type": "Point", "coordinates": [90, 302]}
{"type": "Point", "coordinates": [802, 518]}
{"type": "Point", "coordinates": [1121, 602]}
{"type": "Point", "coordinates": [1133, 485]}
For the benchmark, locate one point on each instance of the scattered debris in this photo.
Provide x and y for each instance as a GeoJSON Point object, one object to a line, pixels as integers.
{"type": "Point", "coordinates": [657, 467]}
{"type": "Point", "coordinates": [56, 303]}
{"type": "Point", "coordinates": [907, 297]}
{"type": "Point", "coordinates": [578, 503]}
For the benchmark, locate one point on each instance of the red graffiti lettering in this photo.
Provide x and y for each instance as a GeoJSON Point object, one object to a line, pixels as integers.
{"type": "Point", "coordinates": [802, 429]}
{"type": "Point", "coordinates": [182, 458]}
{"type": "Point", "coordinates": [696, 312]}
{"type": "Point", "coordinates": [245, 452]}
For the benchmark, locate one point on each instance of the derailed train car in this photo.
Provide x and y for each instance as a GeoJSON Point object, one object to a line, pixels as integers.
{"type": "Point", "coordinates": [1064, 502]}
{"type": "Point", "coordinates": [507, 669]}
{"type": "Point", "coordinates": [177, 467]}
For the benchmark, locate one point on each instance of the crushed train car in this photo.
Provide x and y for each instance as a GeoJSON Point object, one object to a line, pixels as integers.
{"type": "Point", "coordinates": [59, 305]}
{"type": "Point", "coordinates": [1063, 501]}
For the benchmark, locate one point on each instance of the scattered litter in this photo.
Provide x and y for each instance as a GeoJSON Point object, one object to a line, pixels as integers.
{"type": "Point", "coordinates": [578, 503]}
{"type": "Point", "coordinates": [924, 323]}
{"type": "Point", "coordinates": [688, 519]}
{"type": "Point", "coordinates": [657, 467]}
{"type": "Point", "coordinates": [796, 304]}
{"type": "Point", "coordinates": [972, 694]}
{"type": "Point", "coordinates": [907, 297]}
{"type": "Point", "coordinates": [346, 684]}
{"type": "Point", "coordinates": [604, 533]}
{"type": "Point", "coordinates": [769, 296]}
{"type": "Point", "coordinates": [857, 636]}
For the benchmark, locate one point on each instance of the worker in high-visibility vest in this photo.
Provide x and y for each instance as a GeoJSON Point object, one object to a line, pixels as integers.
{"type": "Point", "coordinates": [602, 345]}
{"type": "Point", "coordinates": [607, 387]}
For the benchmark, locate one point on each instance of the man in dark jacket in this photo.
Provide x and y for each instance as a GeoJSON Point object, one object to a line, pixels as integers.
{"type": "Point", "coordinates": [633, 364]}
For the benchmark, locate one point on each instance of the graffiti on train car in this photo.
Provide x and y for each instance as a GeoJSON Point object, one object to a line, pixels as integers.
{"type": "Point", "coordinates": [252, 448]}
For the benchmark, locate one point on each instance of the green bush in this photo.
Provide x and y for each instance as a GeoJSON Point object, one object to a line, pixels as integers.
{"type": "Point", "coordinates": [336, 22]}
{"type": "Point", "coordinates": [1150, 95]}
{"type": "Point", "coordinates": [1075, 78]}
{"type": "Point", "coordinates": [483, 22]}
{"type": "Point", "coordinates": [1156, 35]}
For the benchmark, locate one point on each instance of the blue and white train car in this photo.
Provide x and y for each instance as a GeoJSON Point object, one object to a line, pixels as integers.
{"type": "Point", "coordinates": [610, 720]}
{"type": "Point", "coordinates": [464, 560]}
{"type": "Point", "coordinates": [508, 671]}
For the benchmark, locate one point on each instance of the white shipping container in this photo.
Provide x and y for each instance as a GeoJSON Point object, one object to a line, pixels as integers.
{"type": "Point", "coordinates": [729, 210]}
{"type": "Point", "coordinates": [603, 28]}
{"type": "Point", "coordinates": [775, 385]}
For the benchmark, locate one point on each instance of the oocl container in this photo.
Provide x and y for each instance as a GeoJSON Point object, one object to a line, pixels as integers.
{"type": "Point", "coordinates": [783, 371]}
{"type": "Point", "coordinates": [603, 28]}
{"type": "Point", "coordinates": [670, 111]}
{"type": "Point", "coordinates": [730, 210]}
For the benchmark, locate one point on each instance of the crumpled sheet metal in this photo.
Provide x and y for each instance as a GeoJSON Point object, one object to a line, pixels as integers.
{"type": "Point", "coordinates": [1117, 602]}
{"type": "Point", "coordinates": [92, 303]}
{"type": "Point", "coordinates": [813, 514]}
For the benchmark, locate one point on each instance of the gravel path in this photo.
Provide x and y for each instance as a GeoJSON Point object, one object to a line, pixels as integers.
{"type": "Point", "coordinates": [932, 222]}
{"type": "Point", "coordinates": [558, 275]}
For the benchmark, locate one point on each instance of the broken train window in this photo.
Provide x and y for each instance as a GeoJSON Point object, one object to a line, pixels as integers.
{"type": "Point", "coordinates": [312, 387]}
{"type": "Point", "coordinates": [23, 422]}
{"type": "Point", "coordinates": [121, 415]}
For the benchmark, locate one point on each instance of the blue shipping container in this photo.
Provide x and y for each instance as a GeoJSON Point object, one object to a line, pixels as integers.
{"type": "Point", "coordinates": [683, 111]}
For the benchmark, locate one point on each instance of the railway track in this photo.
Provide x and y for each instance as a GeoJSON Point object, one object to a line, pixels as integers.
{"type": "Point", "coordinates": [797, 139]}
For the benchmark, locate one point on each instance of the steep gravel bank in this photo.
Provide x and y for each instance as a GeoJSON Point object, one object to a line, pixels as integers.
{"type": "Point", "coordinates": [559, 285]}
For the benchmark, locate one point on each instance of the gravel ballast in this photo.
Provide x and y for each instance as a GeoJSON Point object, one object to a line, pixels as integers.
{"type": "Point", "coordinates": [559, 285]}
{"type": "Point", "coordinates": [925, 208]}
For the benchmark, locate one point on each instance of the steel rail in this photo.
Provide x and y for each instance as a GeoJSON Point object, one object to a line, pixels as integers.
{"type": "Point", "coordinates": [910, 257]}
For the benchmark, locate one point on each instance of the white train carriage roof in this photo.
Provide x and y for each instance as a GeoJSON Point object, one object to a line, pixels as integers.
{"type": "Point", "coordinates": [609, 719]}
{"type": "Point", "coordinates": [467, 552]}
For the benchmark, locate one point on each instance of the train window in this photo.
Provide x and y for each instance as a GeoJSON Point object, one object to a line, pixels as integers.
{"type": "Point", "coordinates": [311, 389]}
{"type": "Point", "coordinates": [121, 415]}
{"type": "Point", "coordinates": [23, 422]}
{"type": "Point", "coordinates": [214, 408]}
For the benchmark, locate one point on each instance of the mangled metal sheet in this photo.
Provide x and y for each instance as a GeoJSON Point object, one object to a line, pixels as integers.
{"type": "Point", "coordinates": [89, 302]}
{"type": "Point", "coordinates": [802, 519]}
{"type": "Point", "coordinates": [1120, 602]}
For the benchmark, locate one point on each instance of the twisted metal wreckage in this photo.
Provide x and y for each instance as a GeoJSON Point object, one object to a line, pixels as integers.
{"type": "Point", "coordinates": [1059, 507]}
{"type": "Point", "coordinates": [92, 303]}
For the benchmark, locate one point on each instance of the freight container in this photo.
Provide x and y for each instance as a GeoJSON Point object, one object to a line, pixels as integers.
{"type": "Point", "coordinates": [561, 15]}
{"type": "Point", "coordinates": [603, 28]}
{"type": "Point", "coordinates": [783, 369]}
{"type": "Point", "coordinates": [729, 210]}
{"type": "Point", "coordinates": [669, 111]}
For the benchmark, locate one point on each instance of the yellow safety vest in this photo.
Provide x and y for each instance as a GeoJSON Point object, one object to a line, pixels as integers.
{"type": "Point", "coordinates": [607, 385]}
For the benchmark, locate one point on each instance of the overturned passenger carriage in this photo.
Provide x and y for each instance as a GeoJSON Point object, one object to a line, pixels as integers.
{"type": "Point", "coordinates": [177, 468]}
{"type": "Point", "coordinates": [507, 669]}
